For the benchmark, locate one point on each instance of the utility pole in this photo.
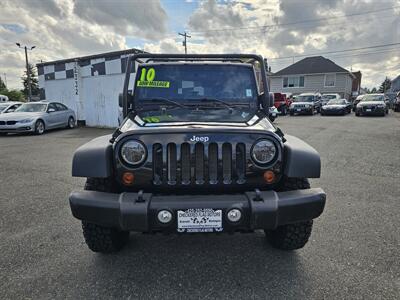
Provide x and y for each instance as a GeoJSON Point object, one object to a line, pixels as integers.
{"type": "Point", "coordinates": [5, 79]}
{"type": "Point", "coordinates": [27, 69]}
{"type": "Point", "coordinates": [185, 35]}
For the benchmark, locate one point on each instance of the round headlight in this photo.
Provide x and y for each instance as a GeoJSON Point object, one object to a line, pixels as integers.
{"type": "Point", "coordinates": [133, 152]}
{"type": "Point", "coordinates": [264, 151]}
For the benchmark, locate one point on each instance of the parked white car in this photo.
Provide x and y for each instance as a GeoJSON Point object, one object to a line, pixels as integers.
{"type": "Point", "coordinates": [3, 98]}
{"type": "Point", "coordinates": [327, 97]}
{"type": "Point", "coordinates": [8, 107]}
{"type": "Point", "coordinates": [37, 117]}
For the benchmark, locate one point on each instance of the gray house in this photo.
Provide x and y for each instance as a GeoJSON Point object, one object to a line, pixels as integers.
{"type": "Point", "coordinates": [313, 74]}
{"type": "Point", "coordinates": [395, 86]}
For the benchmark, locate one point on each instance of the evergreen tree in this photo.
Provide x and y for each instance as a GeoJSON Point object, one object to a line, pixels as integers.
{"type": "Point", "coordinates": [3, 86]}
{"type": "Point", "coordinates": [385, 85]}
{"type": "Point", "coordinates": [34, 81]}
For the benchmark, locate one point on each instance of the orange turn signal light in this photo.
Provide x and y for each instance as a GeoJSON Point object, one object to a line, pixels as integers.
{"type": "Point", "coordinates": [269, 176]}
{"type": "Point", "coordinates": [128, 178]}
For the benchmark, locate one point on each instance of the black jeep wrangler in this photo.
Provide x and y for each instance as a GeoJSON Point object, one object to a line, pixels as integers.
{"type": "Point", "coordinates": [196, 153]}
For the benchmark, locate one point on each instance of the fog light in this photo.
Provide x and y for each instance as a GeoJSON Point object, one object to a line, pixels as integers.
{"type": "Point", "coordinates": [164, 216]}
{"type": "Point", "coordinates": [234, 215]}
{"type": "Point", "coordinates": [128, 178]}
{"type": "Point", "coordinates": [269, 176]}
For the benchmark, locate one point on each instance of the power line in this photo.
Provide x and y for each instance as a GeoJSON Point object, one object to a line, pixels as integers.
{"type": "Point", "coordinates": [297, 22]}
{"type": "Point", "coordinates": [337, 51]}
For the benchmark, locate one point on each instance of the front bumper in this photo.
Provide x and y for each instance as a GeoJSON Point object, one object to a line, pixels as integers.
{"type": "Point", "coordinates": [334, 111]}
{"type": "Point", "coordinates": [373, 111]}
{"type": "Point", "coordinates": [138, 211]}
{"type": "Point", "coordinates": [18, 127]}
{"type": "Point", "coordinates": [301, 110]}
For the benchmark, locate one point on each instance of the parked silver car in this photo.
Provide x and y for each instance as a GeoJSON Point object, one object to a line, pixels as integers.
{"type": "Point", "coordinates": [8, 107]}
{"type": "Point", "coordinates": [37, 117]}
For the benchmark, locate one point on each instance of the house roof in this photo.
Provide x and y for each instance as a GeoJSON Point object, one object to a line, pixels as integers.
{"type": "Point", "coordinates": [101, 55]}
{"type": "Point", "coordinates": [312, 65]}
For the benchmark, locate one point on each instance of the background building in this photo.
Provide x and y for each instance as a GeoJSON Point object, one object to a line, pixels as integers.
{"type": "Point", "coordinates": [89, 85]}
{"type": "Point", "coordinates": [315, 74]}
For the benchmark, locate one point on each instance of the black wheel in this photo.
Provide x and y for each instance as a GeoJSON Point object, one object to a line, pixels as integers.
{"type": "Point", "coordinates": [357, 114]}
{"type": "Point", "coordinates": [39, 127]}
{"type": "Point", "coordinates": [71, 123]}
{"type": "Point", "coordinates": [103, 239]}
{"type": "Point", "coordinates": [272, 119]}
{"type": "Point", "coordinates": [284, 111]}
{"type": "Point", "coordinates": [99, 238]}
{"type": "Point", "coordinates": [291, 236]}
{"type": "Point", "coordinates": [3, 133]}
{"type": "Point", "coordinates": [291, 113]}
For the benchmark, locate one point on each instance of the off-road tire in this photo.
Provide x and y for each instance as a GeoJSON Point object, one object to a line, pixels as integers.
{"type": "Point", "coordinates": [99, 238]}
{"type": "Point", "coordinates": [291, 236]}
{"type": "Point", "coordinates": [103, 239]}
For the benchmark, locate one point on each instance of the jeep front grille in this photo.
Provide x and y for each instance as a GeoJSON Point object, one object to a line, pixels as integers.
{"type": "Point", "coordinates": [199, 163]}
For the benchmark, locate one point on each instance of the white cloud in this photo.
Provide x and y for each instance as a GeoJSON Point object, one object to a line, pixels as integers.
{"type": "Point", "coordinates": [58, 31]}
{"type": "Point", "coordinates": [67, 28]}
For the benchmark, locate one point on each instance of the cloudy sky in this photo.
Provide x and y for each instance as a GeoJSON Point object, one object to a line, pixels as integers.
{"type": "Point", "coordinates": [281, 30]}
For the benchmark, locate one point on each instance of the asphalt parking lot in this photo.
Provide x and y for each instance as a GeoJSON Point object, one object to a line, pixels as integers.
{"type": "Point", "coordinates": [353, 252]}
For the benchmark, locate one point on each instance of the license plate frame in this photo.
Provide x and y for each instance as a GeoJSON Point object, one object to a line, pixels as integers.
{"type": "Point", "coordinates": [196, 220]}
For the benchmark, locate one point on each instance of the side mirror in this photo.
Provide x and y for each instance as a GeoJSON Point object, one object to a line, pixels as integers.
{"type": "Point", "coordinates": [51, 110]}
{"type": "Point", "coordinates": [120, 100]}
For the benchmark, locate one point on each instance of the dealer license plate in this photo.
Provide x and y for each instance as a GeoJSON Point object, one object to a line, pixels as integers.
{"type": "Point", "coordinates": [368, 109]}
{"type": "Point", "coordinates": [199, 220]}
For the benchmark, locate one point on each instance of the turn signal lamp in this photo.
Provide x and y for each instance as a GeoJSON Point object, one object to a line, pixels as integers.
{"type": "Point", "coordinates": [269, 176]}
{"type": "Point", "coordinates": [128, 178]}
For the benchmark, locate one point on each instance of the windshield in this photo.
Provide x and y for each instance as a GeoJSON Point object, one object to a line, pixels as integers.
{"type": "Point", "coordinates": [328, 97]}
{"type": "Point", "coordinates": [196, 93]}
{"type": "Point", "coordinates": [3, 107]}
{"type": "Point", "coordinates": [32, 107]}
{"type": "Point", "coordinates": [304, 98]}
{"type": "Point", "coordinates": [336, 101]}
{"type": "Point", "coordinates": [373, 98]}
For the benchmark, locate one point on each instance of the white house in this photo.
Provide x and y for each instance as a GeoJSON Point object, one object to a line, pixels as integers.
{"type": "Point", "coordinates": [90, 85]}
{"type": "Point", "coordinates": [313, 74]}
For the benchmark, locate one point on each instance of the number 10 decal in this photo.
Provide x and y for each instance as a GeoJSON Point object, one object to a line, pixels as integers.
{"type": "Point", "coordinates": [151, 73]}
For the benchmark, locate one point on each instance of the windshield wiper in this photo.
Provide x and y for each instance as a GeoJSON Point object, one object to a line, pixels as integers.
{"type": "Point", "coordinates": [161, 99]}
{"type": "Point", "coordinates": [215, 100]}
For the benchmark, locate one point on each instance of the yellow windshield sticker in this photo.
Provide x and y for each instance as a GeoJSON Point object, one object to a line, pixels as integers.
{"type": "Point", "coordinates": [153, 84]}
{"type": "Point", "coordinates": [157, 119]}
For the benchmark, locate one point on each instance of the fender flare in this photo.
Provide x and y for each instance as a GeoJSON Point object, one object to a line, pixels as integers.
{"type": "Point", "coordinates": [93, 159]}
{"type": "Point", "coordinates": [301, 160]}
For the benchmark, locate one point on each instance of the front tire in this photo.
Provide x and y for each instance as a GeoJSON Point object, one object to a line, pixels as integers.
{"type": "Point", "coordinates": [284, 111]}
{"type": "Point", "coordinates": [103, 239]}
{"type": "Point", "coordinates": [39, 127]}
{"type": "Point", "coordinates": [71, 123]}
{"type": "Point", "coordinates": [100, 238]}
{"type": "Point", "coordinates": [291, 236]}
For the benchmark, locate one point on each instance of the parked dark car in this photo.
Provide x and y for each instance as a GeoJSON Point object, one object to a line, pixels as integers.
{"type": "Point", "coordinates": [372, 104]}
{"type": "Point", "coordinates": [336, 107]}
{"type": "Point", "coordinates": [396, 104]}
{"type": "Point", "coordinates": [196, 153]}
{"type": "Point", "coordinates": [306, 103]}
{"type": "Point", "coordinates": [281, 103]}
